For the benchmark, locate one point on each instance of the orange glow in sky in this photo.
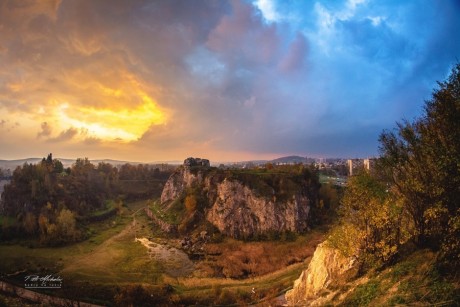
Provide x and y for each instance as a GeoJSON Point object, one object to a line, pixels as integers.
{"type": "Point", "coordinates": [227, 80]}
{"type": "Point", "coordinates": [108, 124]}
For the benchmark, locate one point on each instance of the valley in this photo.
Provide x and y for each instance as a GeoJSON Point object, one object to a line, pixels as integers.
{"type": "Point", "coordinates": [123, 252]}
{"type": "Point", "coordinates": [131, 247]}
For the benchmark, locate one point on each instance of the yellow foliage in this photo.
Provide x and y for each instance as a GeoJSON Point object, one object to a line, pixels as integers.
{"type": "Point", "coordinates": [190, 203]}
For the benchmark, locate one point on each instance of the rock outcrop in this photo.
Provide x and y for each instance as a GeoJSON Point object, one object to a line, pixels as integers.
{"type": "Point", "coordinates": [178, 182]}
{"type": "Point", "coordinates": [236, 207]}
{"type": "Point", "coordinates": [196, 162]}
{"type": "Point", "coordinates": [328, 268]}
{"type": "Point", "coordinates": [239, 212]}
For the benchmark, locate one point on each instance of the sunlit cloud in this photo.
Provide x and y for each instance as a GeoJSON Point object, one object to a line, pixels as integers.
{"type": "Point", "coordinates": [163, 80]}
{"type": "Point", "coordinates": [107, 124]}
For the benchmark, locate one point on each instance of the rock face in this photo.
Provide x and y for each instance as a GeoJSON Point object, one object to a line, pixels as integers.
{"type": "Point", "coordinates": [327, 268]}
{"type": "Point", "coordinates": [238, 210]}
{"type": "Point", "coordinates": [178, 182]}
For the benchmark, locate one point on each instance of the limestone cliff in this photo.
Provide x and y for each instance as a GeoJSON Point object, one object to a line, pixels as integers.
{"type": "Point", "coordinates": [239, 212]}
{"type": "Point", "coordinates": [327, 269]}
{"type": "Point", "coordinates": [246, 205]}
{"type": "Point", "coordinates": [178, 182]}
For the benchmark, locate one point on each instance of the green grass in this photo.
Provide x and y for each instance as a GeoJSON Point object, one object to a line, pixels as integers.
{"type": "Point", "coordinates": [20, 256]}
{"type": "Point", "coordinates": [364, 294]}
{"type": "Point", "coordinates": [108, 209]}
{"type": "Point", "coordinates": [174, 215]}
{"type": "Point", "coordinates": [414, 280]}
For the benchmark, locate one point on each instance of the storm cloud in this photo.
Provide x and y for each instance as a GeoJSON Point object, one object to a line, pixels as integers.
{"type": "Point", "coordinates": [228, 80]}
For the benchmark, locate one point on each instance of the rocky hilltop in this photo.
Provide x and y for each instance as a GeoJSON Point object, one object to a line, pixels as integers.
{"type": "Point", "coordinates": [245, 203]}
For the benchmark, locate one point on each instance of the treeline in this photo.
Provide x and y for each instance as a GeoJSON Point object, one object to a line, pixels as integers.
{"type": "Point", "coordinates": [412, 198]}
{"type": "Point", "coordinates": [48, 200]}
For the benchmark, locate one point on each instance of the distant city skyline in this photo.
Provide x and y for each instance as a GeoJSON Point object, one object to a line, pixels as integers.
{"type": "Point", "coordinates": [224, 80]}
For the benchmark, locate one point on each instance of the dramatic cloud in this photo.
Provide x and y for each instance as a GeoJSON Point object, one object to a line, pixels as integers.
{"type": "Point", "coordinates": [64, 135]}
{"type": "Point", "coordinates": [228, 80]}
{"type": "Point", "coordinates": [45, 130]}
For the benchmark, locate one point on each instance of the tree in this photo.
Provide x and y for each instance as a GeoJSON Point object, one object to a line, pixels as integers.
{"type": "Point", "coordinates": [30, 223]}
{"type": "Point", "coordinates": [66, 225]}
{"type": "Point", "coordinates": [422, 160]}
{"type": "Point", "coordinates": [370, 221]}
{"type": "Point", "coordinates": [190, 203]}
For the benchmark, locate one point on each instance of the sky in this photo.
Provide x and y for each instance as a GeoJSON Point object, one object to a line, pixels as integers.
{"type": "Point", "coordinates": [224, 80]}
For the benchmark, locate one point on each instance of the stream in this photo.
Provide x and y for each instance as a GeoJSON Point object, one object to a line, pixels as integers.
{"type": "Point", "coordinates": [174, 261]}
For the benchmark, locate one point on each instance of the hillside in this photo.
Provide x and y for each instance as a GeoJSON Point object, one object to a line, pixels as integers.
{"type": "Point", "coordinates": [397, 239]}
{"type": "Point", "coordinates": [334, 280]}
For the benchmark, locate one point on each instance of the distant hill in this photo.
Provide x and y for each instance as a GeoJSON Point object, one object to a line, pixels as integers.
{"type": "Point", "coordinates": [12, 164]}
{"type": "Point", "coordinates": [290, 160]}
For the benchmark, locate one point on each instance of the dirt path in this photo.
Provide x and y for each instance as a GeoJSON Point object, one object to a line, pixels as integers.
{"type": "Point", "coordinates": [107, 257]}
{"type": "Point", "coordinates": [103, 257]}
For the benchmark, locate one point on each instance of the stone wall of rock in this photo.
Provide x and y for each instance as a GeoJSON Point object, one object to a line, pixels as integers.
{"type": "Point", "coordinates": [327, 268]}
{"type": "Point", "coordinates": [178, 182]}
{"type": "Point", "coordinates": [237, 210]}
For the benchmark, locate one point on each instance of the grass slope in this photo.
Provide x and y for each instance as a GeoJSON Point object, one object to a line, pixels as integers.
{"type": "Point", "coordinates": [413, 281]}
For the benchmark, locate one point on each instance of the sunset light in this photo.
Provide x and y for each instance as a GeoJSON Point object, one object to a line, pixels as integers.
{"type": "Point", "coordinates": [108, 124]}
{"type": "Point", "coordinates": [227, 80]}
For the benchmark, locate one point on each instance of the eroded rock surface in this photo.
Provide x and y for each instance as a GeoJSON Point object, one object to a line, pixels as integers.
{"type": "Point", "coordinates": [327, 269]}
{"type": "Point", "coordinates": [239, 210]}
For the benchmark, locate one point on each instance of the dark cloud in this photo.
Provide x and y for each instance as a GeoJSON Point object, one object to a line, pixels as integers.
{"type": "Point", "coordinates": [64, 136]}
{"type": "Point", "coordinates": [312, 78]}
{"type": "Point", "coordinates": [45, 130]}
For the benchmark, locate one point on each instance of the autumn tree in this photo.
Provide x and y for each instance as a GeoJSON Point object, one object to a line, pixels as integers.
{"type": "Point", "coordinates": [190, 203]}
{"type": "Point", "coordinates": [66, 226]}
{"type": "Point", "coordinates": [422, 159]}
{"type": "Point", "coordinates": [370, 221]}
{"type": "Point", "coordinates": [30, 223]}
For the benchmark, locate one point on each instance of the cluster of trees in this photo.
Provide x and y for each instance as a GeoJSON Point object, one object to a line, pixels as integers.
{"type": "Point", "coordinates": [283, 180]}
{"type": "Point", "coordinates": [47, 200]}
{"type": "Point", "coordinates": [414, 194]}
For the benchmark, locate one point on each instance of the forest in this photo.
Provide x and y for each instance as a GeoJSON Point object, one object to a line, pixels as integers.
{"type": "Point", "coordinates": [52, 203]}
